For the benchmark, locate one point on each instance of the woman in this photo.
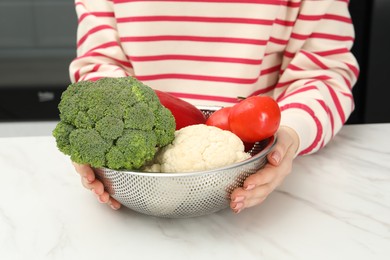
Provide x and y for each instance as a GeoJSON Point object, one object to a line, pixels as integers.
{"type": "Point", "coordinates": [211, 52]}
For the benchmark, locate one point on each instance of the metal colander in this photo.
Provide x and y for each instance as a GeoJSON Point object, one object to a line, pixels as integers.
{"type": "Point", "coordinates": [181, 195]}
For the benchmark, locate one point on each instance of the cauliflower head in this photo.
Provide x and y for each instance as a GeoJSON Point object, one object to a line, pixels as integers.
{"type": "Point", "coordinates": [117, 123]}
{"type": "Point", "coordinates": [198, 148]}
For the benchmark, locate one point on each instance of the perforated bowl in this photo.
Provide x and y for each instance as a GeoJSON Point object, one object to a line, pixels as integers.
{"type": "Point", "coordinates": [183, 195]}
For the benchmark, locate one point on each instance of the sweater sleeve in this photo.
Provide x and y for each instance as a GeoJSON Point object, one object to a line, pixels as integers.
{"type": "Point", "coordinates": [99, 52]}
{"type": "Point", "coordinates": [315, 87]}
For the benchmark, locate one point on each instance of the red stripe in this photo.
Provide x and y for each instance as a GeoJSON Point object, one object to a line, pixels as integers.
{"type": "Point", "coordinates": [332, 52]}
{"type": "Point", "coordinates": [293, 67]}
{"type": "Point", "coordinates": [263, 90]}
{"type": "Point", "coordinates": [77, 75]}
{"type": "Point", "coordinates": [264, 2]}
{"type": "Point", "coordinates": [194, 19]}
{"type": "Point", "coordinates": [289, 54]}
{"type": "Point", "coordinates": [322, 36]}
{"type": "Point", "coordinates": [96, 14]}
{"type": "Point", "coordinates": [325, 107]}
{"type": "Point", "coordinates": [354, 69]}
{"type": "Point", "coordinates": [283, 95]}
{"type": "Point", "coordinates": [79, 3]}
{"type": "Point", "coordinates": [332, 37]}
{"type": "Point", "coordinates": [104, 45]}
{"type": "Point", "coordinates": [82, 17]}
{"type": "Point", "coordinates": [310, 17]}
{"type": "Point", "coordinates": [315, 60]}
{"type": "Point", "coordinates": [92, 31]}
{"type": "Point", "coordinates": [347, 82]}
{"type": "Point", "coordinates": [325, 16]}
{"type": "Point", "coordinates": [337, 103]}
{"type": "Point", "coordinates": [195, 58]}
{"type": "Point", "coordinates": [97, 54]}
{"type": "Point", "coordinates": [284, 22]}
{"type": "Point", "coordinates": [348, 95]}
{"type": "Point", "coordinates": [193, 38]}
{"type": "Point", "coordinates": [94, 78]}
{"type": "Point", "coordinates": [197, 77]}
{"type": "Point", "coordinates": [308, 110]}
{"type": "Point", "coordinates": [205, 97]}
{"type": "Point", "coordinates": [340, 18]}
{"type": "Point", "coordinates": [320, 53]}
{"type": "Point", "coordinates": [330, 115]}
{"type": "Point", "coordinates": [96, 67]}
{"type": "Point", "coordinates": [293, 4]}
{"type": "Point", "coordinates": [331, 91]}
{"type": "Point", "coordinates": [283, 84]}
{"type": "Point", "coordinates": [103, 14]}
{"type": "Point", "coordinates": [271, 70]}
{"type": "Point", "coordinates": [278, 41]}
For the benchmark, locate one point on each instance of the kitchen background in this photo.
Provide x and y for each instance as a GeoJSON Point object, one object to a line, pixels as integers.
{"type": "Point", "coordinates": [37, 43]}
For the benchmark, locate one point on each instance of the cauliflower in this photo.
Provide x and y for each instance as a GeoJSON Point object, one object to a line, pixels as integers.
{"type": "Point", "coordinates": [198, 148]}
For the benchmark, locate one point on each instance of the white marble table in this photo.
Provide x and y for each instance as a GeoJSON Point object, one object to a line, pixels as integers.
{"type": "Point", "coordinates": [335, 205]}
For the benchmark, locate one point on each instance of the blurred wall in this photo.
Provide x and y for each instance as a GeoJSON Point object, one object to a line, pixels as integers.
{"type": "Point", "coordinates": [377, 107]}
{"type": "Point", "coordinates": [37, 43]}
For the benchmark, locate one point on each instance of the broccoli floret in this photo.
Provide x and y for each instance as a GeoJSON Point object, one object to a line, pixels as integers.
{"type": "Point", "coordinates": [117, 123]}
{"type": "Point", "coordinates": [164, 126]}
{"type": "Point", "coordinates": [61, 134]}
{"type": "Point", "coordinates": [110, 127]}
{"type": "Point", "coordinates": [134, 117]}
{"type": "Point", "coordinates": [87, 146]}
{"type": "Point", "coordinates": [137, 148]}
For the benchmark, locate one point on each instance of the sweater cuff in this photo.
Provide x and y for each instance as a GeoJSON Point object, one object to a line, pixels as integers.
{"type": "Point", "coordinates": [303, 124]}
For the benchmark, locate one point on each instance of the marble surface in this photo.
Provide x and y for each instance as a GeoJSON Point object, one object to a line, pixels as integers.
{"type": "Point", "coordinates": [33, 128]}
{"type": "Point", "coordinates": [334, 205]}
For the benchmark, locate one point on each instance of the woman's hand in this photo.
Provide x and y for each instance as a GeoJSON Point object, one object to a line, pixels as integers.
{"type": "Point", "coordinates": [258, 186]}
{"type": "Point", "coordinates": [89, 181]}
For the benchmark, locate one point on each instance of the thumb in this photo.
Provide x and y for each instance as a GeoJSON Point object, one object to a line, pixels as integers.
{"type": "Point", "coordinates": [286, 143]}
{"type": "Point", "coordinates": [276, 155]}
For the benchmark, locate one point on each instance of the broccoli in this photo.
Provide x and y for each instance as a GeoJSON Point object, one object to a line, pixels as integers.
{"type": "Point", "coordinates": [118, 123]}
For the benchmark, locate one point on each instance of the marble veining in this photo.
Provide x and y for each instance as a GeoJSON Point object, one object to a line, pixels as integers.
{"type": "Point", "coordinates": [334, 205]}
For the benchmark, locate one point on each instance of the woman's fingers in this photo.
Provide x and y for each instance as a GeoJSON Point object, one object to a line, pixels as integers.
{"type": "Point", "coordinates": [264, 176]}
{"type": "Point", "coordinates": [114, 204]}
{"type": "Point", "coordinates": [249, 198]}
{"type": "Point", "coordinates": [258, 186]}
{"type": "Point", "coordinates": [288, 142]}
{"type": "Point", "coordinates": [89, 181]}
{"type": "Point", "coordinates": [85, 171]}
{"type": "Point", "coordinates": [96, 186]}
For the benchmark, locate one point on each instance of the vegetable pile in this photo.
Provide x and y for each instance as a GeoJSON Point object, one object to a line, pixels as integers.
{"type": "Point", "coordinates": [123, 124]}
{"type": "Point", "coordinates": [117, 123]}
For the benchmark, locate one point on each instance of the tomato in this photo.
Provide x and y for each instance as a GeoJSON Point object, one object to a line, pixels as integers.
{"type": "Point", "coordinates": [255, 118]}
{"type": "Point", "coordinates": [220, 118]}
{"type": "Point", "coordinates": [185, 114]}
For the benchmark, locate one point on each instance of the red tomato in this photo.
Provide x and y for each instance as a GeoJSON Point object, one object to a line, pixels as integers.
{"type": "Point", "coordinates": [255, 118]}
{"type": "Point", "coordinates": [220, 118]}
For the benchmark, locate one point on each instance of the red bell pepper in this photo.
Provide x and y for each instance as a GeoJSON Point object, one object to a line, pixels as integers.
{"type": "Point", "coordinates": [185, 113]}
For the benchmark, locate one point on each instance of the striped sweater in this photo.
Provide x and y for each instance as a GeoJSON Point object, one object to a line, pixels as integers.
{"type": "Point", "coordinates": [209, 52]}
